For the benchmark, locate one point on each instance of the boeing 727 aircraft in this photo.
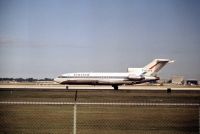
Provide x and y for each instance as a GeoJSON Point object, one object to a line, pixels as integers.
{"type": "Point", "coordinates": [133, 76]}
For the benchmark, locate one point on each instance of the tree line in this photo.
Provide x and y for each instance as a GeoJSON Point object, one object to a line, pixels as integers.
{"type": "Point", "coordinates": [25, 79]}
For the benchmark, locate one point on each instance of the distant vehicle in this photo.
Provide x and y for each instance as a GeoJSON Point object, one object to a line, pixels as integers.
{"type": "Point", "coordinates": [133, 76]}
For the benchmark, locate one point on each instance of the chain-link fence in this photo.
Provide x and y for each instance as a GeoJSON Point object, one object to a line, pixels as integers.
{"type": "Point", "coordinates": [76, 116]}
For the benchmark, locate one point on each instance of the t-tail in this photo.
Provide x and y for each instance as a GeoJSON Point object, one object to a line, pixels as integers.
{"type": "Point", "coordinates": [150, 69]}
{"type": "Point", "coordinates": [156, 65]}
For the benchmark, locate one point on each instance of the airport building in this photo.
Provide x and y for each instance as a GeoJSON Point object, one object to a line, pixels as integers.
{"type": "Point", "coordinates": [191, 82]}
{"type": "Point", "coordinates": [178, 80]}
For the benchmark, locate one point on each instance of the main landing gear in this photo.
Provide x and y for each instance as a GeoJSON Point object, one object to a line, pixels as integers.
{"type": "Point", "coordinates": [115, 87]}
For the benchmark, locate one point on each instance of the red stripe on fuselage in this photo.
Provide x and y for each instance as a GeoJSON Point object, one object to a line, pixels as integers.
{"type": "Point", "coordinates": [154, 65]}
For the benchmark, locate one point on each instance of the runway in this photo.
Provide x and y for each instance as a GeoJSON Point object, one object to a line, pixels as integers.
{"type": "Point", "coordinates": [99, 96]}
{"type": "Point", "coordinates": [85, 103]}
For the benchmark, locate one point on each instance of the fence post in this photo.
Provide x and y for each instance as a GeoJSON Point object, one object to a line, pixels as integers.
{"type": "Point", "coordinates": [75, 109]}
{"type": "Point", "coordinates": [74, 129]}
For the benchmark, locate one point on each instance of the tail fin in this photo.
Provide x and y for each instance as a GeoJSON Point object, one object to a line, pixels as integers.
{"type": "Point", "coordinates": [156, 65]}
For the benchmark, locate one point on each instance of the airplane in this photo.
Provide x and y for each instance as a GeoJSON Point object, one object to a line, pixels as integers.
{"type": "Point", "coordinates": [132, 76]}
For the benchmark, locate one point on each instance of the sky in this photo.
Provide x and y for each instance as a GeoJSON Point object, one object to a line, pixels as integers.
{"type": "Point", "coordinates": [46, 38]}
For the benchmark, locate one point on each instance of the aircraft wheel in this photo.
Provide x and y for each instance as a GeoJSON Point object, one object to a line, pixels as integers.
{"type": "Point", "coordinates": [115, 87]}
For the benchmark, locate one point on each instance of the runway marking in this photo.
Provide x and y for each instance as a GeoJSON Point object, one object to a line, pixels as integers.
{"type": "Point", "coordinates": [97, 103]}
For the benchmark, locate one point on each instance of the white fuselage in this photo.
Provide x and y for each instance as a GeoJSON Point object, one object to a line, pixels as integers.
{"type": "Point", "coordinates": [133, 76]}
{"type": "Point", "coordinates": [102, 78]}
